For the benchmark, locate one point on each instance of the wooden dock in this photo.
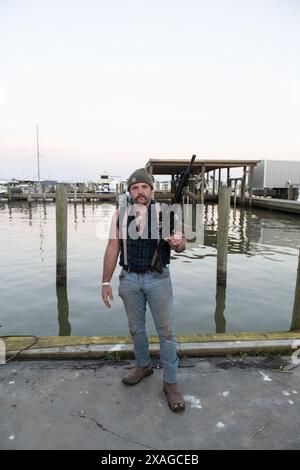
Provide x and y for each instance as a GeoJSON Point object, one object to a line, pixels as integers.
{"type": "Point", "coordinates": [282, 205]}
{"type": "Point", "coordinates": [46, 197]}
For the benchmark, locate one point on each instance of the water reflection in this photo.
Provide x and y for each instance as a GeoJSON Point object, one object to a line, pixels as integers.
{"type": "Point", "coordinates": [41, 234]}
{"type": "Point", "coordinates": [64, 327]}
{"type": "Point", "coordinates": [220, 308]}
{"type": "Point", "coordinates": [75, 217]}
{"type": "Point", "coordinates": [30, 213]}
{"type": "Point", "coordinates": [250, 232]}
{"type": "Point", "coordinates": [104, 215]}
{"type": "Point", "coordinates": [267, 241]}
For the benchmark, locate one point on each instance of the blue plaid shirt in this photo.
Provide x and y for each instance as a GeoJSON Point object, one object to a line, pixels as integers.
{"type": "Point", "coordinates": [141, 250]}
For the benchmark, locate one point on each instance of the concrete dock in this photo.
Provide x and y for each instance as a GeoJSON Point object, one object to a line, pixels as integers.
{"type": "Point", "coordinates": [66, 393]}
{"type": "Point", "coordinates": [231, 403]}
{"type": "Point", "coordinates": [282, 205]}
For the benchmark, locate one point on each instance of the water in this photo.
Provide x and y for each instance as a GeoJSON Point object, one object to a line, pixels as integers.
{"type": "Point", "coordinates": [262, 265]}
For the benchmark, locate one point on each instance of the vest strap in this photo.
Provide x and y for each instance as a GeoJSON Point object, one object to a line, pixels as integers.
{"type": "Point", "coordinates": [125, 228]}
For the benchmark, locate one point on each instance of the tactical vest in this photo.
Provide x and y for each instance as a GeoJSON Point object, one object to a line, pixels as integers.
{"type": "Point", "coordinates": [136, 253]}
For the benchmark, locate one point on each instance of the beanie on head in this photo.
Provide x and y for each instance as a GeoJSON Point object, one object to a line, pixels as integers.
{"type": "Point", "coordinates": [140, 176]}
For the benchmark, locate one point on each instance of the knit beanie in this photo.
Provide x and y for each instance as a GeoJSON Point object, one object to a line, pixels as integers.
{"type": "Point", "coordinates": [140, 176]}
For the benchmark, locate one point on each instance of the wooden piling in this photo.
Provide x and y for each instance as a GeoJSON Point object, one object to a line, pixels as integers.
{"type": "Point", "coordinates": [243, 188]}
{"type": "Point", "coordinates": [250, 184]}
{"type": "Point", "coordinates": [219, 180]}
{"type": "Point", "coordinates": [61, 232]}
{"type": "Point", "coordinates": [222, 237]}
{"type": "Point", "coordinates": [296, 310]}
{"type": "Point", "coordinates": [202, 184]}
{"type": "Point", "coordinates": [235, 190]}
{"type": "Point", "coordinates": [228, 176]}
{"type": "Point", "coordinates": [75, 194]}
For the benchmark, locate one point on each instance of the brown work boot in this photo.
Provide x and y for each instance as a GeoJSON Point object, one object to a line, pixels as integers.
{"type": "Point", "coordinates": [134, 376]}
{"type": "Point", "coordinates": [175, 399]}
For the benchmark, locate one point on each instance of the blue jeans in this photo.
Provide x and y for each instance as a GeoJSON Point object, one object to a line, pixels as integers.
{"type": "Point", "coordinates": [156, 289]}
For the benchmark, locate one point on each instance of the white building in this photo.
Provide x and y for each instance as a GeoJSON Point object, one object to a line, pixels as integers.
{"type": "Point", "coordinates": [276, 177]}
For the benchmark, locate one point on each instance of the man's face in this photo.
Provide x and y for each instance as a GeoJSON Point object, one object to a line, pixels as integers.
{"type": "Point", "coordinates": [141, 193]}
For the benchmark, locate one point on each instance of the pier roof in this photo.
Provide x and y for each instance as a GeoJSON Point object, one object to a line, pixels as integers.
{"type": "Point", "coordinates": [169, 166]}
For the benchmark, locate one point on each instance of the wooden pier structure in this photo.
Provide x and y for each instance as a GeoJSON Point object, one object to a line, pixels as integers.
{"type": "Point", "coordinates": [47, 196]}
{"type": "Point", "coordinates": [203, 170]}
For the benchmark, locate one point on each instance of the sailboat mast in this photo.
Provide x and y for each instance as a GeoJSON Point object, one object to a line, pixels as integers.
{"type": "Point", "coordinates": [38, 152]}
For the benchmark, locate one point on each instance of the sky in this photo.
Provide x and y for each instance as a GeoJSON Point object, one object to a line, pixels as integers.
{"type": "Point", "coordinates": [113, 83]}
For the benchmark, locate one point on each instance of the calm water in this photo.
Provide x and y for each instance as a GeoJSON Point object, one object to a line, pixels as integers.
{"type": "Point", "coordinates": [262, 266]}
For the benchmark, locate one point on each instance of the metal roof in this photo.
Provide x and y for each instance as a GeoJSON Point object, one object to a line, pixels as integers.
{"type": "Point", "coordinates": [169, 166]}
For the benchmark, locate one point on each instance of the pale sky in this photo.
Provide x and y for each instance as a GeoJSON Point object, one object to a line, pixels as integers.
{"type": "Point", "coordinates": [113, 83]}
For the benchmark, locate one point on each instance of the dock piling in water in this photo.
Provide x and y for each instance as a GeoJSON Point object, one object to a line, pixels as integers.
{"type": "Point", "coordinates": [222, 237]}
{"type": "Point", "coordinates": [296, 310]}
{"type": "Point", "coordinates": [61, 233]}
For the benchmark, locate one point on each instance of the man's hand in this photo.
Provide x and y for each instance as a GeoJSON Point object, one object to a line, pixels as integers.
{"type": "Point", "coordinates": [177, 242]}
{"type": "Point", "coordinates": [107, 295]}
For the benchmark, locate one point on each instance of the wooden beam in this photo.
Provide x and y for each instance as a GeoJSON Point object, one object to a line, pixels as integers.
{"type": "Point", "coordinates": [243, 188]}
{"type": "Point", "coordinates": [202, 184]}
{"type": "Point", "coordinates": [61, 233]}
{"type": "Point", "coordinates": [222, 237]}
{"type": "Point", "coordinates": [250, 184]}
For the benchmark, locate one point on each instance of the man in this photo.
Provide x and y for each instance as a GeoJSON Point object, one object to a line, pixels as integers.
{"type": "Point", "coordinates": [140, 285]}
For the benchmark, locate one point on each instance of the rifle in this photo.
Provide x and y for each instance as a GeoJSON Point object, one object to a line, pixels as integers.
{"type": "Point", "coordinates": [156, 261]}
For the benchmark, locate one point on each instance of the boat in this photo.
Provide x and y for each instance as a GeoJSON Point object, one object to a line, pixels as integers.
{"type": "Point", "coordinates": [103, 186]}
{"type": "Point", "coordinates": [3, 188]}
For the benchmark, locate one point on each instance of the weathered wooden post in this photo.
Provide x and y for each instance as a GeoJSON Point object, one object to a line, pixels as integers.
{"type": "Point", "coordinates": [235, 190]}
{"type": "Point", "coordinates": [250, 183]}
{"type": "Point", "coordinates": [243, 188]}
{"type": "Point", "coordinates": [296, 310]}
{"type": "Point", "coordinates": [214, 182]}
{"type": "Point", "coordinates": [202, 184]}
{"type": "Point", "coordinates": [220, 179]}
{"type": "Point", "coordinates": [75, 193]}
{"type": "Point", "coordinates": [61, 232]}
{"type": "Point", "coordinates": [222, 237]}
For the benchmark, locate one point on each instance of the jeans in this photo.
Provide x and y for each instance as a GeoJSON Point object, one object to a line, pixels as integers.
{"type": "Point", "coordinates": [156, 289]}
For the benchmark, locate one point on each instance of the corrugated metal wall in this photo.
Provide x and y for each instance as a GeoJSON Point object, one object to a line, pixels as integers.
{"type": "Point", "coordinates": [275, 174]}
{"type": "Point", "coordinates": [278, 173]}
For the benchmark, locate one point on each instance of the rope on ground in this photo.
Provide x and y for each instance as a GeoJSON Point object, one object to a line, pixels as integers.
{"type": "Point", "coordinates": [23, 349]}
